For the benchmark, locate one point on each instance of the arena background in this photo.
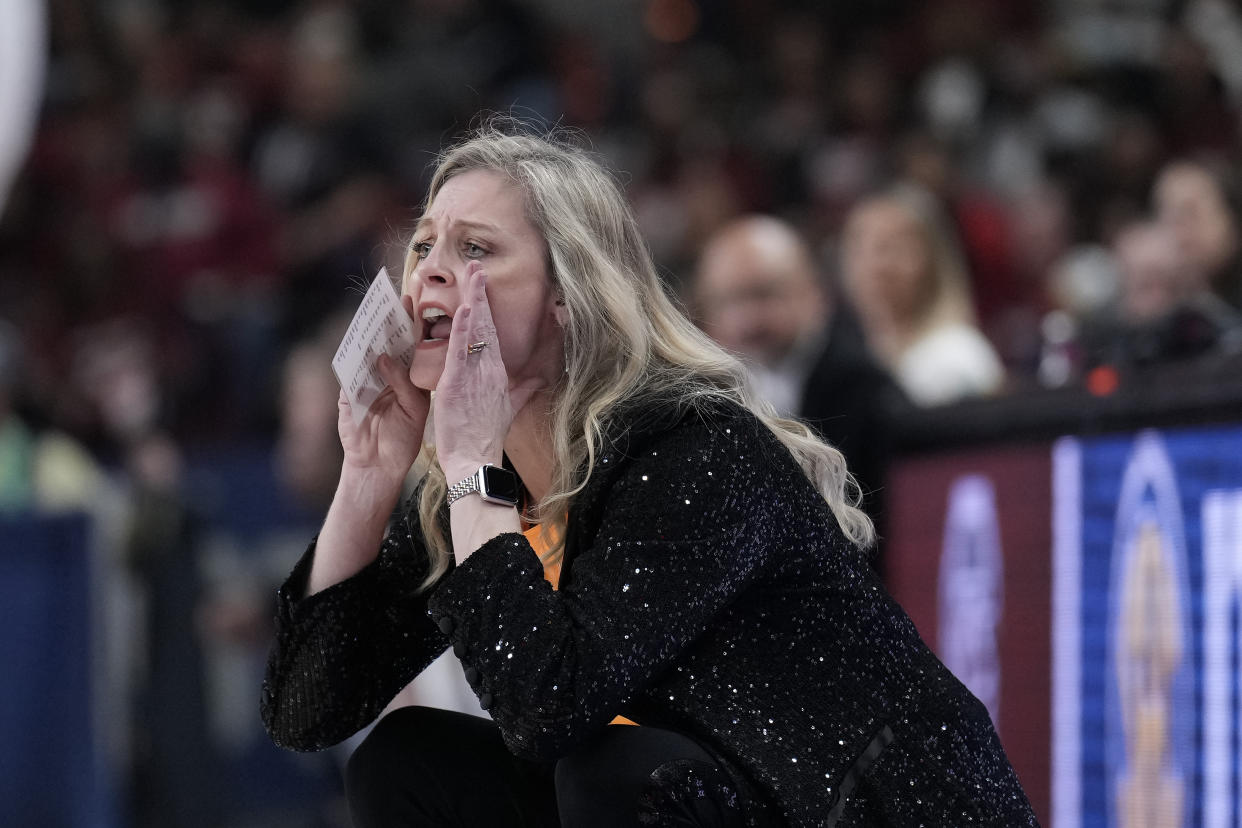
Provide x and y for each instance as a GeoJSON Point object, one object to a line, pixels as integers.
{"type": "Point", "coordinates": [196, 190]}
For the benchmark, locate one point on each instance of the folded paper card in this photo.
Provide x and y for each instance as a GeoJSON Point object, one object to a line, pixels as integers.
{"type": "Point", "coordinates": [380, 326]}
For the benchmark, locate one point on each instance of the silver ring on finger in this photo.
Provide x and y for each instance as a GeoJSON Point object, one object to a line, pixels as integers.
{"type": "Point", "coordinates": [475, 347]}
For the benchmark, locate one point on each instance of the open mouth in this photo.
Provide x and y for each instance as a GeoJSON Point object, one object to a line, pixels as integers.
{"type": "Point", "coordinates": [436, 325]}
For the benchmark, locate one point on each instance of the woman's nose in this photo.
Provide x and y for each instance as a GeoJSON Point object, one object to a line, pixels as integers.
{"type": "Point", "coordinates": [437, 267]}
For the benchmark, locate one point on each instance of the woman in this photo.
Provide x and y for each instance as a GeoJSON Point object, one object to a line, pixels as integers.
{"type": "Point", "coordinates": [906, 278]}
{"type": "Point", "coordinates": [712, 586]}
{"type": "Point", "coordinates": [1198, 202]}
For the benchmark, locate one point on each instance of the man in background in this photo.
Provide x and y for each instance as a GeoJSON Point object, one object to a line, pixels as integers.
{"type": "Point", "coordinates": [758, 292]}
{"type": "Point", "coordinates": [1165, 308]}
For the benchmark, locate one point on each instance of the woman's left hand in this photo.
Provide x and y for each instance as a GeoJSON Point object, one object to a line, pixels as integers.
{"type": "Point", "coordinates": [474, 403]}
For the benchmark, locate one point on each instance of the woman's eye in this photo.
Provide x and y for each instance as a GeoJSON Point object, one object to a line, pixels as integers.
{"type": "Point", "coordinates": [473, 250]}
{"type": "Point", "coordinates": [421, 249]}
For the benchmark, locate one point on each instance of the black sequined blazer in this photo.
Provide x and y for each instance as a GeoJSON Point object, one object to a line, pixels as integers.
{"type": "Point", "coordinates": [706, 588]}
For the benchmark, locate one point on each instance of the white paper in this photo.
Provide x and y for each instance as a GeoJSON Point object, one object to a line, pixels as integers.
{"type": "Point", "coordinates": [380, 326]}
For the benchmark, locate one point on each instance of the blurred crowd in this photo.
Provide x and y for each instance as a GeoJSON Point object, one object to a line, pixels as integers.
{"type": "Point", "coordinates": [877, 202]}
{"type": "Point", "coordinates": [210, 182]}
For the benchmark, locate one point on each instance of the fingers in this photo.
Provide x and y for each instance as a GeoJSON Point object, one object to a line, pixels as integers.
{"type": "Point", "coordinates": [472, 323]}
{"type": "Point", "coordinates": [459, 337]}
{"type": "Point", "coordinates": [393, 373]}
{"type": "Point", "coordinates": [482, 328]}
{"type": "Point", "coordinates": [344, 412]}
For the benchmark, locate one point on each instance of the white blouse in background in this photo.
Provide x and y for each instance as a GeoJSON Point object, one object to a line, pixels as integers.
{"type": "Point", "coordinates": [947, 364]}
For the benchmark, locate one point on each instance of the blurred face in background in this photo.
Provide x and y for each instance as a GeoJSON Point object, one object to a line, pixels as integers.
{"type": "Point", "coordinates": [885, 263]}
{"type": "Point", "coordinates": [757, 290]}
{"type": "Point", "coordinates": [1191, 205]}
{"type": "Point", "coordinates": [1152, 275]}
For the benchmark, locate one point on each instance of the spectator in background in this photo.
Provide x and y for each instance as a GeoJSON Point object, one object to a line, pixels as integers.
{"type": "Point", "coordinates": [758, 292]}
{"type": "Point", "coordinates": [1197, 202]}
{"type": "Point", "coordinates": [902, 269]}
{"type": "Point", "coordinates": [1164, 310]}
{"type": "Point", "coordinates": [308, 453]}
{"type": "Point", "coordinates": [1151, 279]}
{"type": "Point", "coordinates": [41, 470]}
{"type": "Point", "coordinates": [196, 240]}
{"type": "Point", "coordinates": [325, 166]}
{"type": "Point", "coordinates": [174, 769]}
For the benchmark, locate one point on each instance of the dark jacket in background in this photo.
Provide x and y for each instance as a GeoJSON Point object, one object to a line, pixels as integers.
{"type": "Point", "coordinates": [853, 403]}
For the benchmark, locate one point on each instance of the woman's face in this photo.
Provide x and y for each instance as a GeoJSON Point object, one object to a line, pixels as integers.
{"type": "Point", "coordinates": [479, 216]}
{"type": "Point", "coordinates": [885, 263]}
{"type": "Point", "coordinates": [1191, 204]}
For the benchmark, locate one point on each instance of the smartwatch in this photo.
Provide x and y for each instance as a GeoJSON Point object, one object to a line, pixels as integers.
{"type": "Point", "coordinates": [495, 484]}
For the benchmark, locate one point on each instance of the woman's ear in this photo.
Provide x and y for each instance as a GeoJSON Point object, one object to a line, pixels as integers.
{"type": "Point", "coordinates": [560, 312]}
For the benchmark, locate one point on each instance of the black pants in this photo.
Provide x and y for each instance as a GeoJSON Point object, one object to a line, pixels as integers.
{"type": "Point", "coordinates": [425, 767]}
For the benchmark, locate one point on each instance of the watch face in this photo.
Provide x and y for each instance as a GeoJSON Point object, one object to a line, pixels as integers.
{"type": "Point", "coordinates": [500, 484]}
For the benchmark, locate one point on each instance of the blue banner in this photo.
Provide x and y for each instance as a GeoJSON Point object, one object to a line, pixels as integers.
{"type": "Point", "coordinates": [1146, 647]}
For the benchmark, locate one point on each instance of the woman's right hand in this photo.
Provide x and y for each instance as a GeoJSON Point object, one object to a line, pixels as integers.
{"type": "Point", "coordinates": [383, 446]}
{"type": "Point", "coordinates": [386, 442]}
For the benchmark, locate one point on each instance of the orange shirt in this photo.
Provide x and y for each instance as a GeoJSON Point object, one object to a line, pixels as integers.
{"type": "Point", "coordinates": [552, 571]}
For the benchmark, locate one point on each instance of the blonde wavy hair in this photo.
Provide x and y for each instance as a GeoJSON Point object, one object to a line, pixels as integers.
{"type": "Point", "coordinates": [624, 337]}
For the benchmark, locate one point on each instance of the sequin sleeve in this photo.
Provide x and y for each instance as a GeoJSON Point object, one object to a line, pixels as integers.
{"type": "Point", "coordinates": [680, 534]}
{"type": "Point", "coordinates": [341, 654]}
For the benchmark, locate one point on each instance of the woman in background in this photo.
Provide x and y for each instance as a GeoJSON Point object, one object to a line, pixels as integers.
{"type": "Point", "coordinates": [907, 280]}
